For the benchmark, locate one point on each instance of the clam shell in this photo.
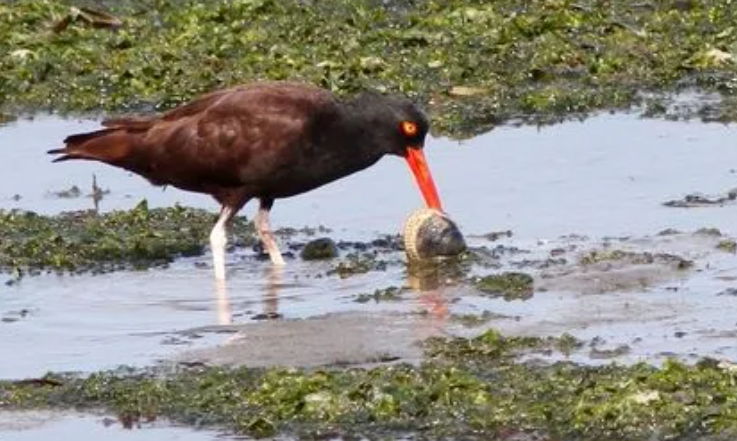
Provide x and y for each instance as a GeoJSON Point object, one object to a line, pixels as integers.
{"type": "Point", "coordinates": [429, 234]}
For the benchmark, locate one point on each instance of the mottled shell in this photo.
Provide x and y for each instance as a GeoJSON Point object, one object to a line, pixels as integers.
{"type": "Point", "coordinates": [430, 233]}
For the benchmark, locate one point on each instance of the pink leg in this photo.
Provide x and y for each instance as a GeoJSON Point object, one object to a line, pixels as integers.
{"type": "Point", "coordinates": [263, 229]}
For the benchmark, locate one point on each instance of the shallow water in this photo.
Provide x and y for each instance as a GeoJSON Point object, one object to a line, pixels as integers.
{"type": "Point", "coordinates": [604, 178]}
{"type": "Point", "coordinates": [43, 426]}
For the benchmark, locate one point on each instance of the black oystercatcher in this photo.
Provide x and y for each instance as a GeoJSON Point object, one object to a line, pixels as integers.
{"type": "Point", "coordinates": [263, 140]}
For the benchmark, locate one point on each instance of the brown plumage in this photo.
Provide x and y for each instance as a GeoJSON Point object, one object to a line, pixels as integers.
{"type": "Point", "coordinates": [263, 140]}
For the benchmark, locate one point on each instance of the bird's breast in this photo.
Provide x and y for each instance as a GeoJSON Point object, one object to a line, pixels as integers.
{"type": "Point", "coordinates": [316, 172]}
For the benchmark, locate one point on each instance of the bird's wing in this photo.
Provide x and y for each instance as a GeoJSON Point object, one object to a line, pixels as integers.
{"type": "Point", "coordinates": [246, 136]}
{"type": "Point", "coordinates": [238, 137]}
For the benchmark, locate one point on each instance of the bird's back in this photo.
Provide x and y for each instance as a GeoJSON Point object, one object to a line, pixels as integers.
{"type": "Point", "coordinates": [243, 137]}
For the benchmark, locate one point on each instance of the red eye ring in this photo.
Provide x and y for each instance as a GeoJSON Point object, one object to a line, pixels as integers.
{"type": "Point", "coordinates": [409, 128]}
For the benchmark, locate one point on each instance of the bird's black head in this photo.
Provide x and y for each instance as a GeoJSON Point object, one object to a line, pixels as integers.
{"type": "Point", "coordinates": [396, 126]}
{"type": "Point", "coordinates": [394, 123]}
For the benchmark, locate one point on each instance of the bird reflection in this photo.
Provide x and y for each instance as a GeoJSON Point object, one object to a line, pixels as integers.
{"type": "Point", "coordinates": [275, 279]}
{"type": "Point", "coordinates": [270, 302]}
{"type": "Point", "coordinates": [222, 301]}
{"type": "Point", "coordinates": [364, 335]}
{"type": "Point", "coordinates": [427, 282]}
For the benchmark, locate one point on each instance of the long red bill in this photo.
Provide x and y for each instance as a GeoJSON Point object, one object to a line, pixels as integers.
{"type": "Point", "coordinates": [418, 165]}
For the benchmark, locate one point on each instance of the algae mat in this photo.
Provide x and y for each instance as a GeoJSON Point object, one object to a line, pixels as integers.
{"type": "Point", "coordinates": [474, 64]}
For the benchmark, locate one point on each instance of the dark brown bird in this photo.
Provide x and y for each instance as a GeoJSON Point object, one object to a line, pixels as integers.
{"type": "Point", "coordinates": [264, 140]}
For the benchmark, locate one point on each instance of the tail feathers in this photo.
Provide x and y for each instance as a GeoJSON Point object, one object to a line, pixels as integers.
{"type": "Point", "coordinates": [66, 157]}
{"type": "Point", "coordinates": [79, 138]}
{"type": "Point", "coordinates": [130, 123]}
{"type": "Point", "coordinates": [111, 145]}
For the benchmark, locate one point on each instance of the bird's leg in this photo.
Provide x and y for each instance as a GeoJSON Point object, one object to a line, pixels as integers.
{"type": "Point", "coordinates": [222, 303]}
{"type": "Point", "coordinates": [264, 231]}
{"type": "Point", "coordinates": [218, 240]}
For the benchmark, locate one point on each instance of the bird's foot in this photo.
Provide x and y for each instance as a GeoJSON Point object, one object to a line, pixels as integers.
{"type": "Point", "coordinates": [277, 259]}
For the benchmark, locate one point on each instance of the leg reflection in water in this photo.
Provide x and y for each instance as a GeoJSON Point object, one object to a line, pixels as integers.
{"type": "Point", "coordinates": [343, 333]}
{"type": "Point", "coordinates": [274, 280]}
{"type": "Point", "coordinates": [275, 277]}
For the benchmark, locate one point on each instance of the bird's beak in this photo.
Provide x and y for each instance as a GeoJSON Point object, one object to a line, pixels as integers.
{"type": "Point", "coordinates": [418, 165]}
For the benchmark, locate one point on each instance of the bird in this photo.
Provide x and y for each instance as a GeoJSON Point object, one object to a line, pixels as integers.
{"type": "Point", "coordinates": [264, 140]}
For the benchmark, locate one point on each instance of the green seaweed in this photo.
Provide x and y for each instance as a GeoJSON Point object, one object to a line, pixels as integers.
{"type": "Point", "coordinates": [606, 255]}
{"type": "Point", "coordinates": [86, 241]}
{"type": "Point", "coordinates": [467, 389]}
{"type": "Point", "coordinates": [510, 285]}
{"type": "Point", "coordinates": [390, 294]}
{"type": "Point", "coordinates": [474, 64]}
{"type": "Point", "coordinates": [475, 320]}
{"type": "Point", "coordinates": [727, 245]}
{"type": "Point", "coordinates": [358, 263]}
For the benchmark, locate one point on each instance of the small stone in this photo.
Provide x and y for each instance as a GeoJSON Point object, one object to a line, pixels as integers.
{"type": "Point", "coordinates": [320, 249]}
{"type": "Point", "coordinates": [496, 235]}
{"type": "Point", "coordinates": [708, 231]}
{"type": "Point", "coordinates": [727, 245]}
{"type": "Point", "coordinates": [728, 292]}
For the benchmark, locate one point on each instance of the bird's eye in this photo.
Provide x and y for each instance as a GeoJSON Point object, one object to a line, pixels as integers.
{"type": "Point", "coordinates": [409, 128]}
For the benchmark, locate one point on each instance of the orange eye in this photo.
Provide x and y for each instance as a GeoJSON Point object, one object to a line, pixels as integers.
{"type": "Point", "coordinates": [409, 128]}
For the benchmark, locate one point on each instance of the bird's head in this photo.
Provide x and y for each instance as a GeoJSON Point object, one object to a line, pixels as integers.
{"type": "Point", "coordinates": [400, 128]}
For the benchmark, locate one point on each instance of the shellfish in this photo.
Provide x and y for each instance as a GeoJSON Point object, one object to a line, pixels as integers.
{"type": "Point", "coordinates": [430, 234]}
